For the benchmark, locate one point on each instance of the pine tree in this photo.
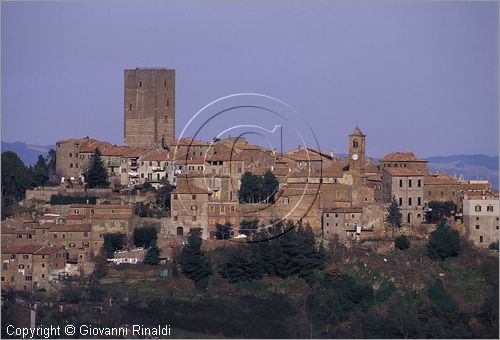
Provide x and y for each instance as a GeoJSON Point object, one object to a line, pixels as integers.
{"type": "Point", "coordinates": [97, 176]}
{"type": "Point", "coordinates": [193, 261]}
{"type": "Point", "coordinates": [394, 216]}
{"type": "Point", "coordinates": [40, 172]}
{"type": "Point", "coordinates": [153, 255]}
{"type": "Point", "coordinates": [270, 186]}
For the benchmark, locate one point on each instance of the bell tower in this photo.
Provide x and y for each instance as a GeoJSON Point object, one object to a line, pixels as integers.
{"type": "Point", "coordinates": [357, 150]}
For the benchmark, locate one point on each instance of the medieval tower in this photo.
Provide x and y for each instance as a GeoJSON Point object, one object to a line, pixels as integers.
{"type": "Point", "coordinates": [149, 108]}
{"type": "Point", "coordinates": [357, 150]}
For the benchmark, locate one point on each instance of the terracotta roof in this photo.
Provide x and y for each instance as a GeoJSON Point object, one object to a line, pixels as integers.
{"type": "Point", "coordinates": [187, 159]}
{"type": "Point", "coordinates": [71, 228]}
{"type": "Point", "coordinates": [157, 156]}
{"type": "Point", "coordinates": [344, 210]}
{"type": "Point", "coordinates": [357, 132]}
{"type": "Point", "coordinates": [375, 178]}
{"type": "Point", "coordinates": [18, 231]}
{"type": "Point", "coordinates": [34, 249]}
{"type": "Point", "coordinates": [75, 140]}
{"type": "Point", "coordinates": [109, 216]}
{"type": "Point", "coordinates": [92, 145]}
{"type": "Point", "coordinates": [403, 172]}
{"type": "Point", "coordinates": [44, 226]}
{"type": "Point", "coordinates": [474, 194]}
{"type": "Point", "coordinates": [401, 157]}
{"type": "Point", "coordinates": [279, 171]}
{"type": "Point", "coordinates": [101, 206]}
{"type": "Point", "coordinates": [306, 154]}
{"type": "Point", "coordinates": [188, 186]}
{"type": "Point", "coordinates": [75, 217]}
{"type": "Point", "coordinates": [188, 141]}
{"type": "Point", "coordinates": [440, 179]}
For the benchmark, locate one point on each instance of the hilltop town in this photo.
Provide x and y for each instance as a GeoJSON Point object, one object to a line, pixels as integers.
{"type": "Point", "coordinates": [102, 231]}
{"type": "Point", "coordinates": [341, 198]}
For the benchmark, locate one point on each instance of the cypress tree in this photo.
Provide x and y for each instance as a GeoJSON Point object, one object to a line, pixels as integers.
{"type": "Point", "coordinates": [394, 216]}
{"type": "Point", "coordinates": [153, 255]}
{"type": "Point", "coordinates": [97, 177]}
{"type": "Point", "coordinates": [194, 262]}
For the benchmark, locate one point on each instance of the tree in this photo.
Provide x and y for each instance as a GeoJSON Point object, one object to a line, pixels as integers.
{"type": "Point", "coordinates": [112, 243]}
{"type": "Point", "coordinates": [242, 264]}
{"type": "Point", "coordinates": [194, 262]}
{"type": "Point", "coordinates": [97, 177]}
{"type": "Point", "coordinates": [439, 210]}
{"type": "Point", "coordinates": [163, 198]}
{"type": "Point", "coordinates": [249, 227]}
{"type": "Point", "coordinates": [153, 255]}
{"type": "Point", "coordinates": [271, 185]}
{"type": "Point", "coordinates": [443, 301]}
{"type": "Point", "coordinates": [223, 231]}
{"type": "Point", "coordinates": [394, 217]}
{"type": "Point", "coordinates": [51, 164]}
{"type": "Point", "coordinates": [40, 172]}
{"type": "Point", "coordinates": [145, 236]}
{"type": "Point", "coordinates": [248, 188]}
{"type": "Point", "coordinates": [443, 242]}
{"type": "Point", "coordinates": [402, 242]}
{"type": "Point", "coordinates": [15, 180]}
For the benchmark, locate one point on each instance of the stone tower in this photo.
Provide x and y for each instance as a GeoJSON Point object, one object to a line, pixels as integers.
{"type": "Point", "coordinates": [357, 150]}
{"type": "Point", "coordinates": [149, 107]}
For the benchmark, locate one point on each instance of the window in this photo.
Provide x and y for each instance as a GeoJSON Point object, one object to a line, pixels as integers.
{"type": "Point", "coordinates": [140, 83]}
{"type": "Point", "coordinates": [175, 196]}
{"type": "Point", "coordinates": [194, 208]}
{"type": "Point", "coordinates": [477, 208]}
{"type": "Point", "coordinates": [489, 208]}
{"type": "Point", "coordinates": [221, 209]}
{"type": "Point", "coordinates": [480, 239]}
{"type": "Point", "coordinates": [130, 106]}
{"type": "Point", "coordinates": [355, 143]}
{"type": "Point", "coordinates": [477, 226]}
{"type": "Point", "coordinates": [419, 199]}
{"type": "Point", "coordinates": [76, 154]}
{"type": "Point", "coordinates": [193, 197]}
{"type": "Point", "coordinates": [497, 227]}
{"type": "Point", "coordinates": [419, 183]}
{"type": "Point", "coordinates": [71, 154]}
{"type": "Point", "coordinates": [212, 208]}
{"type": "Point", "coordinates": [70, 165]}
{"type": "Point", "coordinates": [113, 211]}
{"type": "Point", "coordinates": [285, 200]}
{"type": "Point", "coordinates": [142, 174]}
{"type": "Point", "coordinates": [175, 218]}
{"type": "Point", "coordinates": [409, 183]}
{"type": "Point", "coordinates": [21, 266]}
{"type": "Point", "coordinates": [165, 83]}
{"type": "Point", "coordinates": [28, 278]}
{"type": "Point", "coordinates": [76, 165]}
{"type": "Point", "coordinates": [26, 257]}
{"type": "Point", "coordinates": [400, 183]}
{"type": "Point", "coordinates": [477, 218]}
{"type": "Point", "coordinates": [336, 215]}
{"type": "Point", "coordinates": [43, 265]}
{"type": "Point", "coordinates": [401, 201]}
{"type": "Point", "coordinates": [430, 192]}
{"type": "Point", "coordinates": [43, 276]}
{"type": "Point", "coordinates": [327, 215]}
{"type": "Point", "coordinates": [5, 265]}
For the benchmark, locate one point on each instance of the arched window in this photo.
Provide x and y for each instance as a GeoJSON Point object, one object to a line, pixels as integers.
{"type": "Point", "coordinates": [355, 143]}
{"type": "Point", "coordinates": [409, 218]}
{"type": "Point", "coordinates": [180, 231]}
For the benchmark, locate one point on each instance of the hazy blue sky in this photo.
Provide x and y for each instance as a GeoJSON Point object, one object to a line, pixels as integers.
{"type": "Point", "coordinates": [419, 76]}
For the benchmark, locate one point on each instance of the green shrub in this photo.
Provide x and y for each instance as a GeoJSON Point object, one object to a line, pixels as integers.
{"type": "Point", "coordinates": [444, 242]}
{"type": "Point", "coordinates": [66, 200]}
{"type": "Point", "coordinates": [402, 242]}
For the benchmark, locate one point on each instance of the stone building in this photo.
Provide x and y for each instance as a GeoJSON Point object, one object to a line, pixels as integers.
{"type": "Point", "coordinates": [406, 185]}
{"type": "Point", "coordinates": [75, 238]}
{"type": "Point", "coordinates": [70, 162]}
{"type": "Point", "coordinates": [192, 147]}
{"type": "Point", "coordinates": [480, 214]}
{"type": "Point", "coordinates": [156, 167]}
{"type": "Point", "coordinates": [403, 160]}
{"type": "Point", "coordinates": [31, 266]}
{"type": "Point", "coordinates": [149, 105]}
{"type": "Point", "coordinates": [189, 206]}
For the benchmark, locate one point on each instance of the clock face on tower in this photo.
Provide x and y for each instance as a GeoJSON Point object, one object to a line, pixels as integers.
{"type": "Point", "coordinates": [355, 157]}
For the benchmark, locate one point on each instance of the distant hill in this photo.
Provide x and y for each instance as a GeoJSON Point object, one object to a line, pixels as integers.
{"type": "Point", "coordinates": [27, 152]}
{"type": "Point", "coordinates": [467, 166]}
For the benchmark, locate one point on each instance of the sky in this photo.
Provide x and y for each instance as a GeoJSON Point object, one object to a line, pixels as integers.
{"type": "Point", "coordinates": [414, 76]}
